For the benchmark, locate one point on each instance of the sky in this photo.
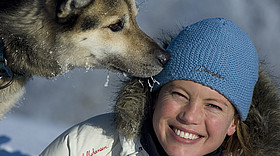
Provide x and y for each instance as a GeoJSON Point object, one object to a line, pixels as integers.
{"type": "Point", "coordinates": [81, 94]}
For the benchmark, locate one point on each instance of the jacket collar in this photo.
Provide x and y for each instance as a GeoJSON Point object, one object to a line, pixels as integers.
{"type": "Point", "coordinates": [149, 140]}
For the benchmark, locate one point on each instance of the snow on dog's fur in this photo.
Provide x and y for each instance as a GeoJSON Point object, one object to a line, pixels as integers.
{"type": "Point", "coordinates": [50, 37]}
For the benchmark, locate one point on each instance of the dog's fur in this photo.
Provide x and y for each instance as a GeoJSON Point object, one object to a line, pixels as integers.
{"type": "Point", "coordinates": [50, 37]}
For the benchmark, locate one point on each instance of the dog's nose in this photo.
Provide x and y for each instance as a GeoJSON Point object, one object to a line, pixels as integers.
{"type": "Point", "coordinates": [163, 57]}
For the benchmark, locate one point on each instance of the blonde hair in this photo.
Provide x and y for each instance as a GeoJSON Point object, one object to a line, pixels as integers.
{"type": "Point", "coordinates": [238, 144]}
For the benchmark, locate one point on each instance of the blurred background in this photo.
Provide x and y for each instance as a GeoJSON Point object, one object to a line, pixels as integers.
{"type": "Point", "coordinates": [49, 107]}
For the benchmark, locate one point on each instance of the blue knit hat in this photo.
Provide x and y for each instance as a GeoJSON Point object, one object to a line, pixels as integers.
{"type": "Point", "coordinates": [217, 53]}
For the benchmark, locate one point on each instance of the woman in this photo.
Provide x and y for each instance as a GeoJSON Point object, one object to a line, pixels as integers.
{"type": "Point", "coordinates": [198, 105]}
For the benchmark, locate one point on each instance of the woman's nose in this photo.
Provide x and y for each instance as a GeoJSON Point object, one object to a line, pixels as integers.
{"type": "Point", "coordinates": [191, 114]}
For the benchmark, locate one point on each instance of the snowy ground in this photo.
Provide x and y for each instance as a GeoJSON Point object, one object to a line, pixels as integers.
{"type": "Point", "coordinates": [22, 136]}
{"type": "Point", "coordinates": [49, 107]}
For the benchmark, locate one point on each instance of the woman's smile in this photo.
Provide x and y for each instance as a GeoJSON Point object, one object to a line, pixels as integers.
{"type": "Point", "coordinates": [185, 135]}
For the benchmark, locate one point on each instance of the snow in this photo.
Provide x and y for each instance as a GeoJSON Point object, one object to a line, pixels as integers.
{"type": "Point", "coordinates": [22, 136]}
{"type": "Point", "coordinates": [107, 81]}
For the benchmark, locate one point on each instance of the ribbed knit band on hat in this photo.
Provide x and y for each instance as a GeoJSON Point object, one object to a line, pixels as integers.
{"type": "Point", "coordinates": [217, 53]}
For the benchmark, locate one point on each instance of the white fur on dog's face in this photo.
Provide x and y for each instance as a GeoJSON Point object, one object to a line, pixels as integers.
{"type": "Point", "coordinates": [94, 45]}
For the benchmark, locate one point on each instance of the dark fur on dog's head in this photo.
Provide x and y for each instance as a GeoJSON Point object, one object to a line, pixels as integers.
{"type": "Point", "coordinates": [8, 4]}
{"type": "Point", "coordinates": [67, 9]}
{"type": "Point", "coordinates": [66, 12]}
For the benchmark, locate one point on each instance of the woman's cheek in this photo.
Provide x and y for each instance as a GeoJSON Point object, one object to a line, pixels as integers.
{"type": "Point", "coordinates": [167, 108]}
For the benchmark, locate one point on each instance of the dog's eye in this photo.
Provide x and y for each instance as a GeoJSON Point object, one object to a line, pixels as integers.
{"type": "Point", "coordinates": [116, 27]}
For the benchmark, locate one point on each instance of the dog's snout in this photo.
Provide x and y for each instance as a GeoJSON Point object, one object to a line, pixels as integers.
{"type": "Point", "coordinates": [163, 57]}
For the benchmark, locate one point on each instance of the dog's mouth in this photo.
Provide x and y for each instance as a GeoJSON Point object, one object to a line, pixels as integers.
{"type": "Point", "coordinates": [131, 67]}
{"type": "Point", "coordinates": [147, 71]}
{"type": "Point", "coordinates": [118, 69]}
{"type": "Point", "coordinates": [130, 72]}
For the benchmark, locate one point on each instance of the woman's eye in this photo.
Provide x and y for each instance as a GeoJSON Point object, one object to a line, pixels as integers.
{"type": "Point", "coordinates": [116, 27]}
{"type": "Point", "coordinates": [215, 106]}
{"type": "Point", "coordinates": [179, 95]}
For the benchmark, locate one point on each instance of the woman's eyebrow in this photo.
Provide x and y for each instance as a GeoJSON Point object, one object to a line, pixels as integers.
{"type": "Point", "coordinates": [219, 101]}
{"type": "Point", "coordinates": [179, 87]}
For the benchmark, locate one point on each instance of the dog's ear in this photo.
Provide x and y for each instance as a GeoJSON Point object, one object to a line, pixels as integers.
{"type": "Point", "coordinates": [133, 6]}
{"type": "Point", "coordinates": [68, 9]}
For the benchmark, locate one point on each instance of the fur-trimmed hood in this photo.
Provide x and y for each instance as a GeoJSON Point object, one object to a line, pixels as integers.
{"type": "Point", "coordinates": [263, 120]}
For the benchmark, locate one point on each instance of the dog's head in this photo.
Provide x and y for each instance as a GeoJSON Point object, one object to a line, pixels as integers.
{"type": "Point", "coordinates": [104, 34]}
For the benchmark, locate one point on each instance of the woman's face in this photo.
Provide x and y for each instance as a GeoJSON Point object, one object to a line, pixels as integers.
{"type": "Point", "coordinates": [191, 119]}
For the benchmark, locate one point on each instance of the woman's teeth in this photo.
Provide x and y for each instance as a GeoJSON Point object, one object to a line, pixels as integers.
{"type": "Point", "coordinates": [185, 135]}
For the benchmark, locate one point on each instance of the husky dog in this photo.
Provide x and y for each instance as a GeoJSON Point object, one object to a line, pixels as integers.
{"type": "Point", "coordinates": [50, 37]}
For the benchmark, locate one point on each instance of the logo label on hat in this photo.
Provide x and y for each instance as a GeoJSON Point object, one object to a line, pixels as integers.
{"type": "Point", "coordinates": [201, 68]}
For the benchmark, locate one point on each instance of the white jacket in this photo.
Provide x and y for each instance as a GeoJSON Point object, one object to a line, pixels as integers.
{"type": "Point", "coordinates": [93, 137]}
